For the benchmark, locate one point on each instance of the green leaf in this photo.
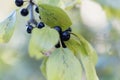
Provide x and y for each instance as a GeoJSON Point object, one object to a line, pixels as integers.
{"type": "Point", "coordinates": [89, 67]}
{"type": "Point", "coordinates": [34, 50]}
{"type": "Point", "coordinates": [43, 66]}
{"type": "Point", "coordinates": [84, 47]}
{"type": "Point", "coordinates": [84, 52]}
{"type": "Point", "coordinates": [63, 65]}
{"type": "Point", "coordinates": [73, 45]}
{"type": "Point", "coordinates": [43, 40]}
{"type": "Point", "coordinates": [54, 16]}
{"type": "Point", "coordinates": [7, 27]}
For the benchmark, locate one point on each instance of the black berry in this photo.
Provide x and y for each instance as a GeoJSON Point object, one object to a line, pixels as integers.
{"type": "Point", "coordinates": [40, 25]}
{"type": "Point", "coordinates": [65, 36]}
{"type": "Point", "coordinates": [58, 29]}
{"type": "Point", "coordinates": [29, 28]}
{"type": "Point", "coordinates": [57, 45]}
{"type": "Point", "coordinates": [24, 12]}
{"type": "Point", "coordinates": [37, 10]}
{"type": "Point", "coordinates": [19, 3]}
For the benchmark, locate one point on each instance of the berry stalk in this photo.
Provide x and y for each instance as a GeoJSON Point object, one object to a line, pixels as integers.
{"type": "Point", "coordinates": [32, 18]}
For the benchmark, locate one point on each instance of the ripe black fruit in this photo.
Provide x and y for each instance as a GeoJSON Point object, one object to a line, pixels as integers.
{"type": "Point", "coordinates": [19, 3]}
{"type": "Point", "coordinates": [37, 10]}
{"type": "Point", "coordinates": [40, 25]}
{"type": "Point", "coordinates": [24, 12]}
{"type": "Point", "coordinates": [29, 28]}
{"type": "Point", "coordinates": [58, 29]}
{"type": "Point", "coordinates": [57, 45]}
{"type": "Point", "coordinates": [65, 36]}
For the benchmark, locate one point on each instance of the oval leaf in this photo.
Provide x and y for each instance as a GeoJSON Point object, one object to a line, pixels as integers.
{"type": "Point", "coordinates": [86, 54]}
{"type": "Point", "coordinates": [63, 65]}
{"type": "Point", "coordinates": [73, 45]}
{"type": "Point", "coordinates": [43, 40]}
{"type": "Point", "coordinates": [89, 67]}
{"type": "Point", "coordinates": [85, 48]}
{"type": "Point", "coordinates": [54, 16]}
{"type": "Point", "coordinates": [34, 50]}
{"type": "Point", "coordinates": [7, 27]}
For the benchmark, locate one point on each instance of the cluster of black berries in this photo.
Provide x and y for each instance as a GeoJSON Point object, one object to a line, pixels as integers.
{"type": "Point", "coordinates": [64, 36]}
{"type": "Point", "coordinates": [30, 27]}
{"type": "Point", "coordinates": [26, 11]}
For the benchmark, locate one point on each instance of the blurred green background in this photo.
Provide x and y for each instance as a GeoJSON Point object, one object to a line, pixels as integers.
{"type": "Point", "coordinates": [16, 64]}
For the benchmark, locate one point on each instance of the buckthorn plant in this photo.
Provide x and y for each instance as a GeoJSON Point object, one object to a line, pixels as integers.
{"type": "Point", "coordinates": [65, 54]}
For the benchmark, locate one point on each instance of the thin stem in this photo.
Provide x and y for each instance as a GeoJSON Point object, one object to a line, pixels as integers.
{"type": "Point", "coordinates": [32, 18]}
{"type": "Point", "coordinates": [31, 11]}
